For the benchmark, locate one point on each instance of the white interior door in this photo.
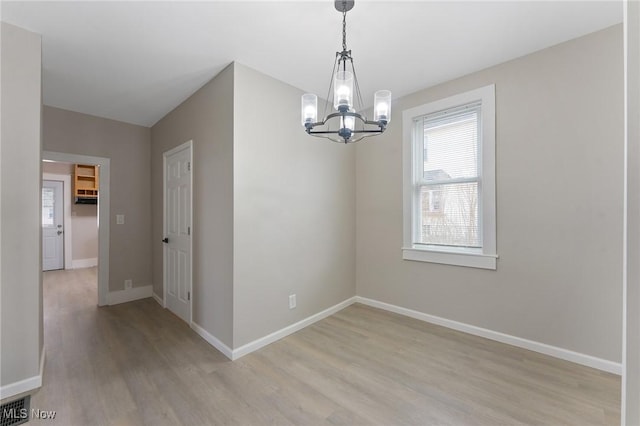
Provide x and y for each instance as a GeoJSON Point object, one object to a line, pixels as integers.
{"type": "Point", "coordinates": [52, 225]}
{"type": "Point", "coordinates": [177, 231]}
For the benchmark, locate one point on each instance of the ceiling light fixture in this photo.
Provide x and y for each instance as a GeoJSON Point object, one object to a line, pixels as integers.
{"type": "Point", "coordinates": [346, 125]}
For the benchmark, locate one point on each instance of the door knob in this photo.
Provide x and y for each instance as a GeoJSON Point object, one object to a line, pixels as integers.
{"type": "Point", "coordinates": [59, 232]}
{"type": "Point", "coordinates": [165, 240]}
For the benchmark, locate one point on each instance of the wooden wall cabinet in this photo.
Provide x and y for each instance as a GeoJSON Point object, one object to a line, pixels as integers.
{"type": "Point", "coordinates": [85, 184]}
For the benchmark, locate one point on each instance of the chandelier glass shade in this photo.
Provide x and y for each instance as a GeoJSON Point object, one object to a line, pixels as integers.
{"type": "Point", "coordinates": [345, 124]}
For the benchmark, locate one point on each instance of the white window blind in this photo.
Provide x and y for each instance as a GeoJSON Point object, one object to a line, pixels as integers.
{"type": "Point", "coordinates": [447, 179]}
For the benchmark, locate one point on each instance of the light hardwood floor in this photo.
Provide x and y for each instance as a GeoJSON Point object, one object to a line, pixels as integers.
{"type": "Point", "coordinates": [136, 363]}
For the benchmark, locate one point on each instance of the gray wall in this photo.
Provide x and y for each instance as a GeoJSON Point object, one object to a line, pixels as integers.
{"type": "Point", "coordinates": [207, 119]}
{"type": "Point", "coordinates": [84, 236]}
{"type": "Point", "coordinates": [294, 211]}
{"type": "Point", "coordinates": [20, 180]}
{"type": "Point", "coordinates": [273, 215]}
{"type": "Point", "coordinates": [631, 375]}
{"type": "Point", "coordinates": [559, 205]}
{"type": "Point", "coordinates": [56, 168]}
{"type": "Point", "coordinates": [128, 147]}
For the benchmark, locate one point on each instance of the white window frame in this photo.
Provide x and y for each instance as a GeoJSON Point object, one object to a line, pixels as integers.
{"type": "Point", "coordinates": [484, 257]}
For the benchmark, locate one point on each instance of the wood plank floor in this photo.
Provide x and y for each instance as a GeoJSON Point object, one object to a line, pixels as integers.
{"type": "Point", "coordinates": [137, 364]}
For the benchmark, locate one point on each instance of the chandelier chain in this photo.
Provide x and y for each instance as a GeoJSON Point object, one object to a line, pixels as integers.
{"type": "Point", "coordinates": [344, 29]}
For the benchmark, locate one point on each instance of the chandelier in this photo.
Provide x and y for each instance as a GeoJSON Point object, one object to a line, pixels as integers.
{"type": "Point", "coordinates": [345, 124]}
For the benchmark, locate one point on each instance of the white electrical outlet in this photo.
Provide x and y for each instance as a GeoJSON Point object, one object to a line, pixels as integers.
{"type": "Point", "coordinates": [119, 219]}
{"type": "Point", "coordinates": [292, 301]}
{"type": "Point", "coordinates": [128, 284]}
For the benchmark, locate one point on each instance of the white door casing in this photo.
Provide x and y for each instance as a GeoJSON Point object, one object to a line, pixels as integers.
{"type": "Point", "coordinates": [177, 230]}
{"type": "Point", "coordinates": [52, 225]}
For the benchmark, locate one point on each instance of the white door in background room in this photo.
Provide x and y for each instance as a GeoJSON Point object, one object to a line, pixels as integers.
{"type": "Point", "coordinates": [177, 230]}
{"type": "Point", "coordinates": [52, 225]}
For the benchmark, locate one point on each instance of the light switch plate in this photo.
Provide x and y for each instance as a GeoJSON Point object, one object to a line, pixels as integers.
{"type": "Point", "coordinates": [119, 219]}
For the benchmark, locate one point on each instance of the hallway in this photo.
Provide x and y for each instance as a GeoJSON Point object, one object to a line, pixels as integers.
{"type": "Point", "coordinates": [101, 362]}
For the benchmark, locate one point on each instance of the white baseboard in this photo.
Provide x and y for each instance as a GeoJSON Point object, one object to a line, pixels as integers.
{"type": "Point", "coordinates": [554, 351]}
{"type": "Point", "coordinates": [213, 340]}
{"type": "Point", "coordinates": [26, 385]}
{"type": "Point", "coordinates": [84, 263]}
{"type": "Point", "coordinates": [123, 296]}
{"type": "Point", "coordinates": [158, 299]}
{"type": "Point", "coordinates": [234, 354]}
{"type": "Point", "coordinates": [277, 335]}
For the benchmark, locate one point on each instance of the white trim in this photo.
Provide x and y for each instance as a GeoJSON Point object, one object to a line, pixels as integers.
{"type": "Point", "coordinates": [284, 332]}
{"type": "Point", "coordinates": [472, 260]}
{"type": "Point", "coordinates": [625, 218]}
{"type": "Point", "coordinates": [26, 385]}
{"type": "Point", "coordinates": [84, 263]}
{"type": "Point", "coordinates": [158, 299]}
{"type": "Point", "coordinates": [486, 259]}
{"type": "Point", "coordinates": [187, 145]}
{"type": "Point", "coordinates": [103, 213]}
{"type": "Point", "coordinates": [630, 413]}
{"type": "Point", "coordinates": [234, 354]}
{"type": "Point", "coordinates": [66, 190]}
{"type": "Point", "coordinates": [212, 340]}
{"type": "Point", "coordinates": [134, 293]}
{"type": "Point", "coordinates": [543, 348]}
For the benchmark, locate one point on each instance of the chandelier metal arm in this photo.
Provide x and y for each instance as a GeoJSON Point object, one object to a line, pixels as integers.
{"type": "Point", "coordinates": [341, 140]}
{"type": "Point", "coordinates": [381, 124]}
{"type": "Point", "coordinates": [345, 135]}
{"type": "Point", "coordinates": [355, 82]}
{"type": "Point", "coordinates": [335, 66]}
{"type": "Point", "coordinates": [330, 132]}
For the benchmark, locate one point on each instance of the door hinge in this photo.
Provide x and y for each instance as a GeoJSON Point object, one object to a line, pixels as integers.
{"type": "Point", "coordinates": [188, 295]}
{"type": "Point", "coordinates": [188, 230]}
{"type": "Point", "coordinates": [189, 165]}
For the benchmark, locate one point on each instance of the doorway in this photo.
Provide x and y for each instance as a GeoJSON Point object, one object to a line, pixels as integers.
{"type": "Point", "coordinates": [53, 225]}
{"type": "Point", "coordinates": [178, 181]}
{"type": "Point", "coordinates": [103, 213]}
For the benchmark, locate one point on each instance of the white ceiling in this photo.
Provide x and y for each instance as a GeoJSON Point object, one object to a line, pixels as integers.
{"type": "Point", "coordinates": [136, 61]}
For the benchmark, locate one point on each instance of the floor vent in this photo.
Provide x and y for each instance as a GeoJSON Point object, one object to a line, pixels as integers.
{"type": "Point", "coordinates": [15, 412]}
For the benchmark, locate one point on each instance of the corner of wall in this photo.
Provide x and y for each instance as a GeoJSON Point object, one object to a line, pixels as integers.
{"type": "Point", "coordinates": [206, 118]}
{"type": "Point", "coordinates": [285, 241]}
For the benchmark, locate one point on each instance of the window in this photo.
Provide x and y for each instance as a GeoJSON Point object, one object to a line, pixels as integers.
{"type": "Point", "coordinates": [449, 180]}
{"type": "Point", "coordinates": [48, 201]}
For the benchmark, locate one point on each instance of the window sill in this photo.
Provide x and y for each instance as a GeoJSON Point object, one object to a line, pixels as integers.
{"type": "Point", "coordinates": [451, 257]}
